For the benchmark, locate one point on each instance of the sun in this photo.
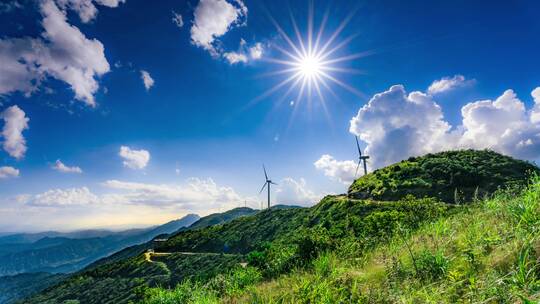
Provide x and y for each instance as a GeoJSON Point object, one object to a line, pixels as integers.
{"type": "Point", "coordinates": [310, 66]}
{"type": "Point", "coordinates": [310, 62]}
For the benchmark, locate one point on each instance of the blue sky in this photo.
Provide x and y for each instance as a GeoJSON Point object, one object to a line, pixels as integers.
{"type": "Point", "coordinates": [195, 139]}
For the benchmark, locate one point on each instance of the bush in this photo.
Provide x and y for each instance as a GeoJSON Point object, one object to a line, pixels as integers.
{"type": "Point", "coordinates": [431, 265]}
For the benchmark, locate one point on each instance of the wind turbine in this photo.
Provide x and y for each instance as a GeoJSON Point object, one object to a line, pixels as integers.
{"type": "Point", "coordinates": [267, 184]}
{"type": "Point", "coordinates": [361, 158]}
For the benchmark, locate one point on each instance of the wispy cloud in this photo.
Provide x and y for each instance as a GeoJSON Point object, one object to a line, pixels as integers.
{"type": "Point", "coordinates": [447, 84]}
{"type": "Point", "coordinates": [177, 19]}
{"type": "Point", "coordinates": [61, 167]}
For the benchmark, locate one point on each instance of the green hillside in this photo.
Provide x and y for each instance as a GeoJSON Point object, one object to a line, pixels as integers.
{"type": "Point", "coordinates": [485, 252]}
{"type": "Point", "coordinates": [453, 176]}
{"type": "Point", "coordinates": [343, 249]}
{"type": "Point", "coordinates": [203, 222]}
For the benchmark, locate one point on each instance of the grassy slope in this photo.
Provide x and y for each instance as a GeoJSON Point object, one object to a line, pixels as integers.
{"type": "Point", "coordinates": [488, 252]}
{"type": "Point", "coordinates": [451, 176]}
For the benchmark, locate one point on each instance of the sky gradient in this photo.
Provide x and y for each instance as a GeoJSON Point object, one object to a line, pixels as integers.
{"type": "Point", "coordinates": [125, 114]}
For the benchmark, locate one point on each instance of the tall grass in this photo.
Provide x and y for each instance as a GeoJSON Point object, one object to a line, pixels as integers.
{"type": "Point", "coordinates": [487, 252]}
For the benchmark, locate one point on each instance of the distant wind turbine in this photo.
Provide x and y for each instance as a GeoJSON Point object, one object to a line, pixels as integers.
{"type": "Point", "coordinates": [361, 158]}
{"type": "Point", "coordinates": [267, 184]}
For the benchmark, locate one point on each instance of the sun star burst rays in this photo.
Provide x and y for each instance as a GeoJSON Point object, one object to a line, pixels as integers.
{"type": "Point", "coordinates": [309, 62]}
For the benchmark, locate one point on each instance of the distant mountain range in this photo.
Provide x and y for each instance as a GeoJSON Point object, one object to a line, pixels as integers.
{"type": "Point", "coordinates": [58, 252]}
{"type": "Point", "coordinates": [35, 261]}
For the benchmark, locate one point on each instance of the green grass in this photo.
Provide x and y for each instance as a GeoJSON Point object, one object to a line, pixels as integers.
{"type": "Point", "coordinates": [487, 252]}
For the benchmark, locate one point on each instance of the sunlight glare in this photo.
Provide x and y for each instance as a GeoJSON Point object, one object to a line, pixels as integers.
{"type": "Point", "coordinates": [310, 66]}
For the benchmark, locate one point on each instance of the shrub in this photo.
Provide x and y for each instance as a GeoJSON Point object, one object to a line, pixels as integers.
{"type": "Point", "coordinates": [431, 265]}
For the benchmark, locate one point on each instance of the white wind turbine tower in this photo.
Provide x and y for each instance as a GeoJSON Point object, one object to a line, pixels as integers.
{"type": "Point", "coordinates": [267, 184]}
{"type": "Point", "coordinates": [361, 158]}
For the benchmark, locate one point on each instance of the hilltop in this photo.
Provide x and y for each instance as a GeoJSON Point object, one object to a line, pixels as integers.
{"type": "Point", "coordinates": [452, 177]}
{"type": "Point", "coordinates": [318, 254]}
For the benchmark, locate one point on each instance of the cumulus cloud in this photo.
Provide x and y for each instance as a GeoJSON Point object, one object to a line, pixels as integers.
{"type": "Point", "coordinates": [62, 52]}
{"type": "Point", "coordinates": [134, 159]}
{"type": "Point", "coordinates": [15, 122]}
{"type": "Point", "coordinates": [61, 167]}
{"type": "Point", "coordinates": [148, 81]}
{"type": "Point", "coordinates": [446, 84]}
{"type": "Point", "coordinates": [342, 171]}
{"type": "Point", "coordinates": [177, 19]}
{"type": "Point", "coordinates": [86, 9]}
{"type": "Point", "coordinates": [8, 172]}
{"type": "Point", "coordinates": [396, 125]}
{"type": "Point", "coordinates": [214, 18]}
{"type": "Point", "coordinates": [295, 192]}
{"type": "Point", "coordinates": [503, 125]}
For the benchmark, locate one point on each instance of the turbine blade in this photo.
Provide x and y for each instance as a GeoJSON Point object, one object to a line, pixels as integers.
{"type": "Point", "coordinates": [357, 166]}
{"type": "Point", "coordinates": [262, 188]}
{"type": "Point", "coordinates": [265, 175]}
{"type": "Point", "coordinates": [358, 145]}
{"type": "Point", "coordinates": [273, 183]}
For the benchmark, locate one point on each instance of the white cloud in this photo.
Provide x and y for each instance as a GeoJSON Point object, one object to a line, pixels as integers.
{"type": "Point", "coordinates": [177, 19]}
{"type": "Point", "coordinates": [234, 57]}
{"type": "Point", "coordinates": [134, 159]}
{"type": "Point", "coordinates": [8, 172]}
{"type": "Point", "coordinates": [128, 205]}
{"type": "Point", "coordinates": [214, 18]}
{"type": "Point", "coordinates": [535, 112]}
{"type": "Point", "coordinates": [342, 171]}
{"type": "Point", "coordinates": [446, 84]}
{"type": "Point", "coordinates": [244, 54]}
{"type": "Point", "coordinates": [147, 80]}
{"type": "Point", "coordinates": [396, 125]}
{"type": "Point", "coordinates": [61, 167]}
{"type": "Point", "coordinates": [63, 197]}
{"type": "Point", "coordinates": [195, 194]}
{"type": "Point", "coordinates": [62, 52]}
{"type": "Point", "coordinates": [256, 51]}
{"type": "Point", "coordinates": [86, 9]}
{"type": "Point", "coordinates": [295, 192]}
{"type": "Point", "coordinates": [503, 125]}
{"type": "Point", "coordinates": [15, 122]}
